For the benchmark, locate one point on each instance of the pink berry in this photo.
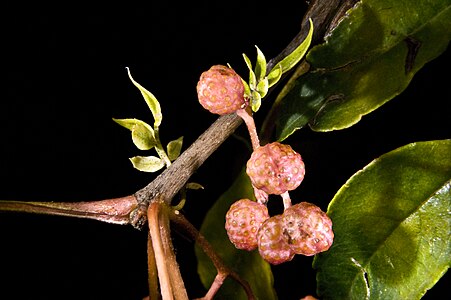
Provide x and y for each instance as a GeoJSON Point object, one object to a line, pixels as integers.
{"type": "Point", "coordinates": [243, 220]}
{"type": "Point", "coordinates": [273, 243]}
{"type": "Point", "coordinates": [309, 297]}
{"type": "Point", "coordinates": [221, 90]}
{"type": "Point", "coordinates": [275, 168]}
{"type": "Point", "coordinates": [308, 228]}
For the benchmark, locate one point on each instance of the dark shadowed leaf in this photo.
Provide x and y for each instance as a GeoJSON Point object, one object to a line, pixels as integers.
{"type": "Point", "coordinates": [368, 59]}
{"type": "Point", "coordinates": [248, 264]}
{"type": "Point", "coordinates": [392, 227]}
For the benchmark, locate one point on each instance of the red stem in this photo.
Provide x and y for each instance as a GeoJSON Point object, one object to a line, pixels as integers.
{"type": "Point", "coordinates": [152, 270]}
{"type": "Point", "coordinates": [177, 284]}
{"type": "Point", "coordinates": [215, 286]}
{"type": "Point", "coordinates": [246, 115]}
{"type": "Point", "coordinates": [157, 245]}
{"type": "Point", "coordinates": [222, 269]}
{"type": "Point", "coordinates": [116, 210]}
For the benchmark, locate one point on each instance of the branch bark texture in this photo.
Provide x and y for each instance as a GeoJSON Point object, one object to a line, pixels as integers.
{"type": "Point", "coordinates": [171, 180]}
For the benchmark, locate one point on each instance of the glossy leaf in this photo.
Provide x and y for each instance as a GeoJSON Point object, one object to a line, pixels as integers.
{"type": "Point", "coordinates": [142, 133]}
{"type": "Point", "coordinates": [174, 148]}
{"type": "Point", "coordinates": [294, 57]}
{"type": "Point", "coordinates": [392, 227]}
{"type": "Point", "coordinates": [147, 163]}
{"type": "Point", "coordinates": [275, 75]}
{"type": "Point", "coordinates": [248, 264]}
{"type": "Point", "coordinates": [150, 99]}
{"type": "Point", "coordinates": [368, 59]}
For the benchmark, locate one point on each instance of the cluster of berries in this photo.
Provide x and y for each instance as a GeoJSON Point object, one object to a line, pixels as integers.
{"type": "Point", "coordinates": [301, 229]}
{"type": "Point", "coordinates": [274, 169]}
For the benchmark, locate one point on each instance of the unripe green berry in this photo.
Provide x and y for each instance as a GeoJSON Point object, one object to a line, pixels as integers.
{"type": "Point", "coordinates": [221, 90]}
{"type": "Point", "coordinates": [243, 219]}
{"type": "Point", "coordinates": [275, 168]}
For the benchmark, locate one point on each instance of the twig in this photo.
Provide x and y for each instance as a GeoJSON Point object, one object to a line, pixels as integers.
{"type": "Point", "coordinates": [116, 210]}
{"type": "Point", "coordinates": [152, 270]}
{"type": "Point", "coordinates": [178, 286]}
{"type": "Point", "coordinates": [171, 281]}
{"type": "Point", "coordinates": [223, 270]}
{"type": "Point", "coordinates": [215, 286]}
{"type": "Point", "coordinates": [157, 245]}
{"type": "Point", "coordinates": [166, 185]}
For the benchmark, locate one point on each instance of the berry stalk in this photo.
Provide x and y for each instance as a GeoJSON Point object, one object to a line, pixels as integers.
{"type": "Point", "coordinates": [286, 200]}
{"type": "Point", "coordinates": [246, 115]}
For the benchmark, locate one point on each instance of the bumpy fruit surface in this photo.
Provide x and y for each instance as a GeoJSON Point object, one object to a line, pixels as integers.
{"type": "Point", "coordinates": [308, 228]}
{"type": "Point", "coordinates": [275, 168]}
{"type": "Point", "coordinates": [273, 243]}
{"type": "Point", "coordinates": [243, 220]}
{"type": "Point", "coordinates": [221, 90]}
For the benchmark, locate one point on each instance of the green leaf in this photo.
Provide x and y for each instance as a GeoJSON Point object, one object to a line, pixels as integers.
{"type": "Point", "coordinates": [143, 137]}
{"type": "Point", "coordinates": [294, 57]}
{"type": "Point", "coordinates": [256, 101]}
{"type": "Point", "coordinates": [248, 264]}
{"type": "Point", "coordinates": [129, 123]}
{"type": "Point", "coordinates": [392, 227]}
{"type": "Point", "coordinates": [174, 148]}
{"type": "Point", "coordinates": [194, 186]}
{"type": "Point", "coordinates": [368, 59]}
{"type": "Point", "coordinates": [252, 77]}
{"type": "Point", "coordinates": [260, 67]}
{"type": "Point", "coordinates": [147, 163]}
{"type": "Point", "coordinates": [142, 133]}
{"type": "Point", "coordinates": [150, 99]}
{"type": "Point", "coordinates": [275, 75]}
{"type": "Point", "coordinates": [247, 90]}
{"type": "Point", "coordinates": [262, 87]}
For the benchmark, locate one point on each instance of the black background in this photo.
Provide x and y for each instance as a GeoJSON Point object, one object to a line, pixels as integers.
{"type": "Point", "coordinates": [64, 79]}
